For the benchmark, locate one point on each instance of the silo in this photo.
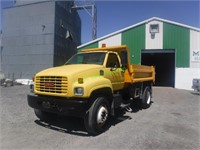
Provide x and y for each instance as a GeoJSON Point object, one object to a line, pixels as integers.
{"type": "Point", "coordinates": [38, 35]}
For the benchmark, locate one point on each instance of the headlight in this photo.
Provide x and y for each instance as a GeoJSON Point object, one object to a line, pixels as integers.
{"type": "Point", "coordinates": [78, 91]}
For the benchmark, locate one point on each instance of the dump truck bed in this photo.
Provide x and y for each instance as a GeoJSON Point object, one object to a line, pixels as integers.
{"type": "Point", "coordinates": [139, 73]}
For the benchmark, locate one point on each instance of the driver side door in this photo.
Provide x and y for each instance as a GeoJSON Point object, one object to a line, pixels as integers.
{"type": "Point", "coordinates": [114, 72]}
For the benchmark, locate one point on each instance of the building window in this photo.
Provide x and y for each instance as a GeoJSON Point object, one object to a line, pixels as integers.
{"type": "Point", "coordinates": [154, 28]}
{"type": "Point", "coordinates": [61, 23]}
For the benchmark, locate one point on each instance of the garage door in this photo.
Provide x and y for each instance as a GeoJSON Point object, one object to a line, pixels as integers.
{"type": "Point", "coordinates": [164, 62]}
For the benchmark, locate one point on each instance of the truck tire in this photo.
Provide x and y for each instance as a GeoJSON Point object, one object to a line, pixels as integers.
{"type": "Point", "coordinates": [97, 117]}
{"type": "Point", "coordinates": [146, 98]}
{"type": "Point", "coordinates": [44, 116]}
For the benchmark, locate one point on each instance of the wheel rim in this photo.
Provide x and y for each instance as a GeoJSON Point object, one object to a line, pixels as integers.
{"type": "Point", "coordinates": [102, 115]}
{"type": "Point", "coordinates": [148, 97]}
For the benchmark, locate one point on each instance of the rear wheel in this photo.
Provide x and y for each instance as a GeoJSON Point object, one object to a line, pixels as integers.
{"type": "Point", "coordinates": [146, 98]}
{"type": "Point", "coordinates": [97, 116]}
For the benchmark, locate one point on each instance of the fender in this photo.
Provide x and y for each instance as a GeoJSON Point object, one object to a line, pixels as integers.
{"type": "Point", "coordinates": [94, 83]}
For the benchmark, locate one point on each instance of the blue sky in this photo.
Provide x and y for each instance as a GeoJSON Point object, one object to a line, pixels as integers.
{"type": "Point", "coordinates": [115, 15]}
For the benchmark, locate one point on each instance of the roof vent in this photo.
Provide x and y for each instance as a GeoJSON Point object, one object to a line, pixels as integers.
{"type": "Point", "coordinates": [103, 45]}
{"type": "Point", "coordinates": [154, 28]}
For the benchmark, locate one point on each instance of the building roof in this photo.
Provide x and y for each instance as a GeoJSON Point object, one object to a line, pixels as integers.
{"type": "Point", "coordinates": [140, 23]}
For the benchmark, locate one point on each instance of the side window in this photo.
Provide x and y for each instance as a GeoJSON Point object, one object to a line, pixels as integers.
{"type": "Point", "coordinates": [123, 56]}
{"type": "Point", "coordinates": [112, 61]}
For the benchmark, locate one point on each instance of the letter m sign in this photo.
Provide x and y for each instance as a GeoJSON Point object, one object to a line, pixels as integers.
{"type": "Point", "coordinates": [196, 55]}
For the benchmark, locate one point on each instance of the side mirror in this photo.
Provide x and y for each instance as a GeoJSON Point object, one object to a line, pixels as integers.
{"type": "Point", "coordinates": [113, 68]}
{"type": "Point", "coordinates": [124, 67]}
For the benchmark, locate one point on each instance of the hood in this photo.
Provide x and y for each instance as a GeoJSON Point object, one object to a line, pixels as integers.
{"type": "Point", "coordinates": [68, 70]}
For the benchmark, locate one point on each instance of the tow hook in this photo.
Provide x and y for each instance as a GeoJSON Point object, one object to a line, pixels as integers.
{"type": "Point", "coordinates": [46, 105]}
{"type": "Point", "coordinates": [49, 105]}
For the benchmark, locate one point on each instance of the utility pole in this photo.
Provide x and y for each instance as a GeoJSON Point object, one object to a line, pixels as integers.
{"type": "Point", "coordinates": [90, 8]}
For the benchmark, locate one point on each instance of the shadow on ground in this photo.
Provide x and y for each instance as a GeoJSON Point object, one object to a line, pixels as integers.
{"type": "Point", "coordinates": [195, 93]}
{"type": "Point", "coordinates": [75, 126]}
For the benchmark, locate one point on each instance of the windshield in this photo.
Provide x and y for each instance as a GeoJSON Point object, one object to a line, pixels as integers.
{"type": "Point", "coordinates": [87, 58]}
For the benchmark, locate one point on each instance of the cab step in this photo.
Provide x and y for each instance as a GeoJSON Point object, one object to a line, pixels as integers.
{"type": "Point", "coordinates": [126, 106]}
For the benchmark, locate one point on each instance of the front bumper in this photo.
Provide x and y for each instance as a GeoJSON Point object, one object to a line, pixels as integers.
{"type": "Point", "coordinates": [59, 105]}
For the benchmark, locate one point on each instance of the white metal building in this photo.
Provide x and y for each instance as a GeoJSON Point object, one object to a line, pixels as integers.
{"type": "Point", "coordinates": [173, 48]}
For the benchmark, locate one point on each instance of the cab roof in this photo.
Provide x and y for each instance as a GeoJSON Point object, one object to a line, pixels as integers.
{"type": "Point", "coordinates": [111, 48]}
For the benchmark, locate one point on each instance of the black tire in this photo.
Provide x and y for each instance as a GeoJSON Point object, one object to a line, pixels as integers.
{"type": "Point", "coordinates": [146, 98]}
{"type": "Point", "coordinates": [44, 116]}
{"type": "Point", "coordinates": [97, 117]}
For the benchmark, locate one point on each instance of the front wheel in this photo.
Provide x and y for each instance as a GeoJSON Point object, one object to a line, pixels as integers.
{"type": "Point", "coordinates": [96, 118]}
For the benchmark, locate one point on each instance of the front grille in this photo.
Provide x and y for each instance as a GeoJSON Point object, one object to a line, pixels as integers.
{"type": "Point", "coordinates": [51, 84]}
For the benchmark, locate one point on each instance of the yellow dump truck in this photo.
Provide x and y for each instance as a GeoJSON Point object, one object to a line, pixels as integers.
{"type": "Point", "coordinates": [92, 85]}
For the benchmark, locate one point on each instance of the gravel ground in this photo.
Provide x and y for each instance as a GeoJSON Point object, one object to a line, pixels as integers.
{"type": "Point", "coordinates": [172, 122]}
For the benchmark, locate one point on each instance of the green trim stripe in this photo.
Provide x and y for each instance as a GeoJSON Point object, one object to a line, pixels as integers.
{"type": "Point", "coordinates": [179, 38]}
{"type": "Point", "coordinates": [135, 40]}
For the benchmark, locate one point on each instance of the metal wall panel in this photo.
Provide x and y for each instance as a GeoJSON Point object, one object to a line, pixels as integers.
{"type": "Point", "coordinates": [135, 39]}
{"type": "Point", "coordinates": [178, 38]}
{"type": "Point", "coordinates": [31, 40]}
{"type": "Point", "coordinates": [28, 39]}
{"type": "Point", "coordinates": [114, 40]}
{"type": "Point", "coordinates": [67, 32]}
{"type": "Point", "coordinates": [195, 49]}
{"type": "Point", "coordinates": [154, 41]}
